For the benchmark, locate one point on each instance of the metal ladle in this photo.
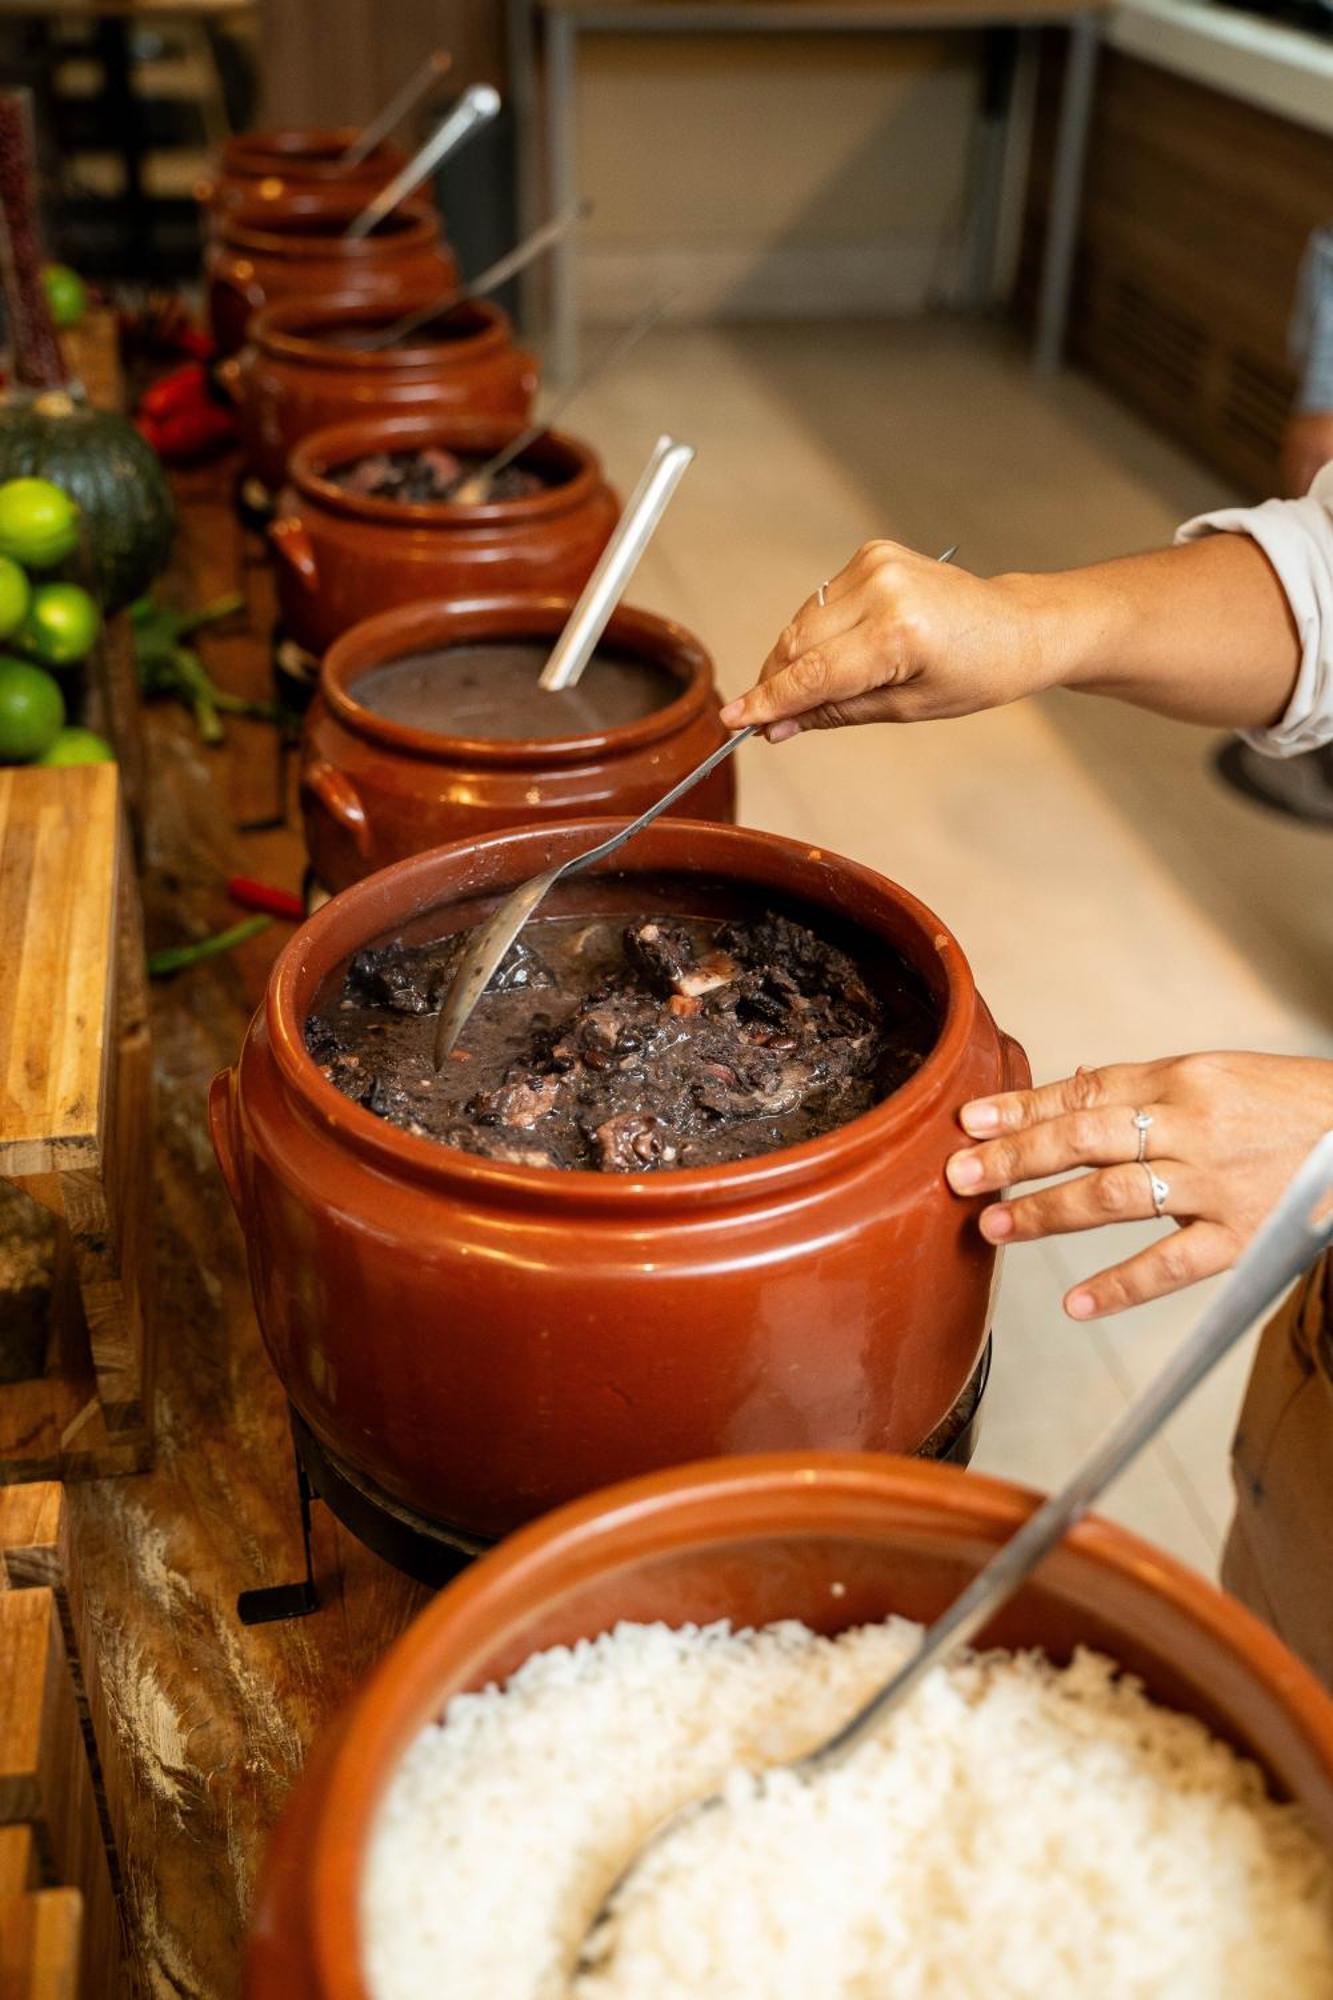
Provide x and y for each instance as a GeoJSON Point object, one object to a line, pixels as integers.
{"type": "Point", "coordinates": [1299, 1229]}
{"type": "Point", "coordinates": [476, 107]}
{"type": "Point", "coordinates": [489, 280]}
{"type": "Point", "coordinates": [436, 65]}
{"type": "Point", "coordinates": [573, 650]}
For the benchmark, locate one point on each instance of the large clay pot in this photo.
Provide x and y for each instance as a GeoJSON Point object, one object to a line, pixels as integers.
{"type": "Point", "coordinates": [279, 249]}
{"type": "Point", "coordinates": [374, 791]}
{"type": "Point", "coordinates": [342, 557]}
{"type": "Point", "coordinates": [480, 1341]}
{"type": "Point", "coordinates": [303, 370]}
{"type": "Point", "coordinates": [833, 1540]}
{"type": "Point", "coordinates": [274, 165]}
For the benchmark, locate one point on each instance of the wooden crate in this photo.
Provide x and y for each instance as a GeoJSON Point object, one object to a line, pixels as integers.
{"type": "Point", "coordinates": [59, 1916]}
{"type": "Point", "coordinates": [75, 1090]}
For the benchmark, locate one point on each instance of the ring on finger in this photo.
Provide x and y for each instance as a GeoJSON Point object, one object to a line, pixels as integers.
{"type": "Point", "coordinates": [821, 598]}
{"type": "Point", "coordinates": [1142, 1125]}
{"type": "Point", "coordinates": [1159, 1189]}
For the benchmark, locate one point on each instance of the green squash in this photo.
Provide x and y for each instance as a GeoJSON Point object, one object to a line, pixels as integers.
{"type": "Point", "coordinates": [113, 473]}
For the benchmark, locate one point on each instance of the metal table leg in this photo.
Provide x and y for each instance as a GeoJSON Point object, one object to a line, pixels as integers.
{"type": "Point", "coordinates": [986, 168]}
{"type": "Point", "coordinates": [520, 41]}
{"type": "Point", "coordinates": [562, 191]}
{"type": "Point", "coordinates": [1066, 193]}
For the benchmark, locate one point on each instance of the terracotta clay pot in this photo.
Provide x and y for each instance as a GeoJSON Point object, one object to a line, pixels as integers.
{"type": "Point", "coordinates": [277, 250]}
{"type": "Point", "coordinates": [293, 378]}
{"type": "Point", "coordinates": [480, 1341]}
{"type": "Point", "coordinates": [277, 164]}
{"type": "Point", "coordinates": [341, 557]}
{"type": "Point", "coordinates": [374, 791]}
{"type": "Point", "coordinates": [756, 1540]}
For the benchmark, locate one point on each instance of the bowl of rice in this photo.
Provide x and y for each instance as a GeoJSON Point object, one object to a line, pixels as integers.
{"type": "Point", "coordinates": [1126, 1790]}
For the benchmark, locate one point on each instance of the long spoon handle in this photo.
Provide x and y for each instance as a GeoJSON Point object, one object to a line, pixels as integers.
{"type": "Point", "coordinates": [489, 280]}
{"type": "Point", "coordinates": [618, 561]}
{"type": "Point", "coordinates": [1296, 1232]}
{"type": "Point", "coordinates": [475, 108]}
{"type": "Point", "coordinates": [619, 839]}
{"type": "Point", "coordinates": [398, 106]}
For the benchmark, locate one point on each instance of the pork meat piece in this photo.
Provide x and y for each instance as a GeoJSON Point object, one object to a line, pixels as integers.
{"type": "Point", "coordinates": [633, 1142]}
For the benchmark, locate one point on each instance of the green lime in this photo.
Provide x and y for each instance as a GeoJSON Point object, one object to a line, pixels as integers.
{"type": "Point", "coordinates": [15, 596]}
{"type": "Point", "coordinates": [61, 626]}
{"type": "Point", "coordinates": [78, 746]}
{"type": "Point", "coordinates": [66, 294]}
{"type": "Point", "coordinates": [32, 711]}
{"type": "Point", "coordinates": [39, 523]}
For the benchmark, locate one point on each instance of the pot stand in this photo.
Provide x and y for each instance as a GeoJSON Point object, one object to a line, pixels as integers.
{"type": "Point", "coordinates": [433, 1554]}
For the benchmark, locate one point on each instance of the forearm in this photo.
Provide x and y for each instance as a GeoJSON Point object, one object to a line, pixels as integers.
{"type": "Point", "coordinates": [1203, 631]}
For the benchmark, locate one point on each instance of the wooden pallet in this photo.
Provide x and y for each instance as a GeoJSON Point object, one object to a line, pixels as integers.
{"type": "Point", "coordinates": [75, 1091]}
{"type": "Point", "coordinates": [60, 1927]}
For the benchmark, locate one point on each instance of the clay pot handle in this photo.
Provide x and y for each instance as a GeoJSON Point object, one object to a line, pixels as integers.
{"type": "Point", "coordinates": [338, 796]}
{"type": "Point", "coordinates": [1014, 1065]}
{"type": "Point", "coordinates": [223, 1134]}
{"type": "Point", "coordinates": [291, 544]}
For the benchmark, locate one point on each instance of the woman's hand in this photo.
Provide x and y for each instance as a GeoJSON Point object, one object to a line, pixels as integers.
{"type": "Point", "coordinates": [898, 638]}
{"type": "Point", "coordinates": [1227, 1134]}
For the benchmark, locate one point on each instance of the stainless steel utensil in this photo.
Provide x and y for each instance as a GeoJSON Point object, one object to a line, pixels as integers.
{"type": "Point", "coordinates": [616, 565]}
{"type": "Point", "coordinates": [584, 627]}
{"type": "Point", "coordinates": [489, 280]}
{"type": "Point", "coordinates": [471, 488]}
{"type": "Point", "coordinates": [475, 108]}
{"type": "Point", "coordinates": [398, 106]}
{"type": "Point", "coordinates": [491, 940]}
{"type": "Point", "coordinates": [1297, 1231]}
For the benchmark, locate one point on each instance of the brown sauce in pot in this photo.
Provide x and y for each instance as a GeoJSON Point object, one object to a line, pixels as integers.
{"type": "Point", "coordinates": [489, 690]}
{"type": "Point", "coordinates": [629, 1046]}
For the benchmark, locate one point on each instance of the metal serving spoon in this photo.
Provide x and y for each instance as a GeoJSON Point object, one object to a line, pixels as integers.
{"type": "Point", "coordinates": [493, 276]}
{"type": "Point", "coordinates": [472, 488]}
{"type": "Point", "coordinates": [1299, 1229]}
{"type": "Point", "coordinates": [435, 66]}
{"type": "Point", "coordinates": [574, 648]}
{"type": "Point", "coordinates": [475, 108]}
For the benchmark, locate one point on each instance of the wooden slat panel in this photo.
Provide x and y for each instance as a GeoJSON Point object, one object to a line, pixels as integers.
{"type": "Point", "coordinates": [59, 856]}
{"type": "Point", "coordinates": [39, 1945]}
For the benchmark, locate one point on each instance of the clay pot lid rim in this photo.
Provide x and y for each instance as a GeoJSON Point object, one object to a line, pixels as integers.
{"type": "Point", "coordinates": [695, 685]}
{"type": "Point", "coordinates": [836, 1492]}
{"type": "Point", "coordinates": [271, 336]}
{"type": "Point", "coordinates": [339, 444]}
{"type": "Point", "coordinates": [243, 228]}
{"type": "Point", "coordinates": [431, 1162]}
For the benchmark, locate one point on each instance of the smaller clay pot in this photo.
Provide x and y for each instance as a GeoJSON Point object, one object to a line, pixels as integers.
{"type": "Point", "coordinates": [833, 1539]}
{"type": "Point", "coordinates": [274, 250]}
{"type": "Point", "coordinates": [374, 791]}
{"type": "Point", "coordinates": [343, 556]}
{"type": "Point", "coordinates": [276, 164]}
{"type": "Point", "coordinates": [303, 369]}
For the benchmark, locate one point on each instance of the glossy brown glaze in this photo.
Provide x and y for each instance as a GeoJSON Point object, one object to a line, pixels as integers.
{"type": "Point", "coordinates": [265, 251]}
{"type": "Point", "coordinates": [274, 165]}
{"type": "Point", "coordinates": [484, 1340]}
{"type": "Point", "coordinates": [306, 366]}
{"type": "Point", "coordinates": [373, 791]}
{"type": "Point", "coordinates": [343, 556]}
{"type": "Point", "coordinates": [755, 1540]}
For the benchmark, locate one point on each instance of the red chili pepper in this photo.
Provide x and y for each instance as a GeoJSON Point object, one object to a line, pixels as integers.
{"type": "Point", "coordinates": [253, 895]}
{"type": "Point", "coordinates": [182, 388]}
{"type": "Point", "coordinates": [188, 433]}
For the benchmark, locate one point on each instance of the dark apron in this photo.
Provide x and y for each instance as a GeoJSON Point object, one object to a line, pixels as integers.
{"type": "Point", "coordinates": [1279, 1554]}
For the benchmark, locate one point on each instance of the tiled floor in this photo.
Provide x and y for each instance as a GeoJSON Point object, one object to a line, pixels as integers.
{"type": "Point", "coordinates": [1114, 901]}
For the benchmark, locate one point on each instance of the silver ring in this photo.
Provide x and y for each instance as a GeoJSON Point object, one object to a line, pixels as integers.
{"type": "Point", "coordinates": [1142, 1125]}
{"type": "Point", "coordinates": [820, 598]}
{"type": "Point", "coordinates": [1161, 1192]}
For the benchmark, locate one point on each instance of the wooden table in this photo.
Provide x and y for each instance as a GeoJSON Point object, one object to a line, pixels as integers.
{"type": "Point", "coordinates": [557, 24]}
{"type": "Point", "coordinates": [206, 1723]}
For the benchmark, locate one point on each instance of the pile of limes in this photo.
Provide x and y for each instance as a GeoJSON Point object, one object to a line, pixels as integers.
{"type": "Point", "coordinates": [47, 628]}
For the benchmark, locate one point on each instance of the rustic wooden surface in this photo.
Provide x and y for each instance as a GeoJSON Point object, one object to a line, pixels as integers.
{"type": "Point", "coordinates": [39, 1945]}
{"type": "Point", "coordinates": [204, 1724]}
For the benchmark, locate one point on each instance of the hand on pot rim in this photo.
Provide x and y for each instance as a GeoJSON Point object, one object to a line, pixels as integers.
{"type": "Point", "coordinates": [1227, 1132]}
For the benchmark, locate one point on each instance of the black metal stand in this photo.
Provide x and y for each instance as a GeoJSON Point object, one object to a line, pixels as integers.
{"type": "Point", "coordinates": [434, 1554]}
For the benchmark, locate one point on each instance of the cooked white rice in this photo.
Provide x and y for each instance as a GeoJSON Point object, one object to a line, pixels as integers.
{"type": "Point", "coordinates": [1017, 1829]}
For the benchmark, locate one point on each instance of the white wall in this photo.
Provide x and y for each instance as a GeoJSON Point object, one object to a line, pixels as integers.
{"type": "Point", "coordinates": [764, 175]}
